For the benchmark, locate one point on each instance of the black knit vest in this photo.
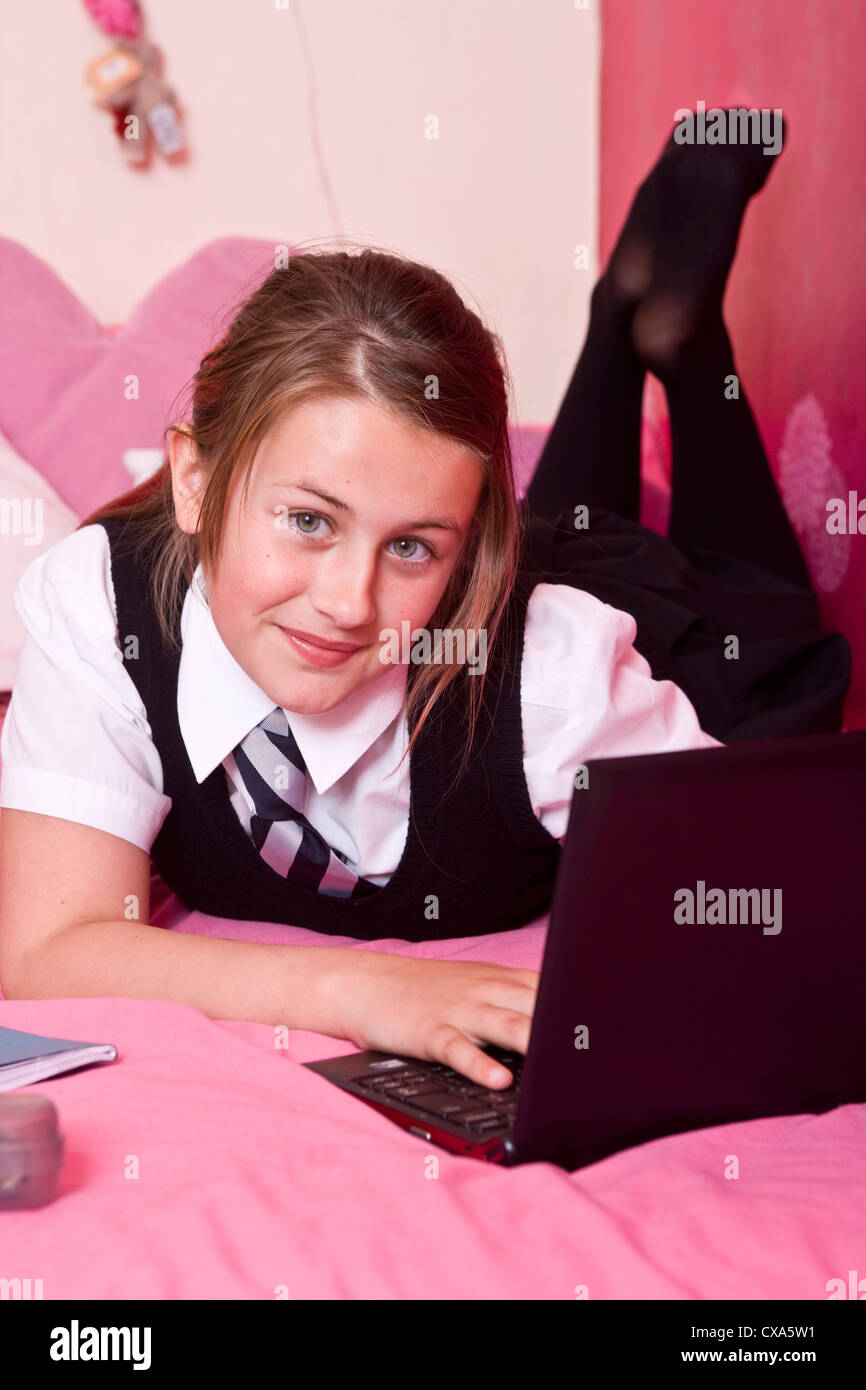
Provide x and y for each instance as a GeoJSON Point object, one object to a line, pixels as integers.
{"type": "Point", "coordinates": [476, 858]}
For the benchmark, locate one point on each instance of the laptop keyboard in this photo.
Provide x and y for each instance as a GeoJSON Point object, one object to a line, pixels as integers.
{"type": "Point", "coordinates": [449, 1095]}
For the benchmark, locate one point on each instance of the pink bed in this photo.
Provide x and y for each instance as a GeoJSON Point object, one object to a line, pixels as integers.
{"type": "Point", "coordinates": [255, 1173]}
{"type": "Point", "coordinates": [206, 1162]}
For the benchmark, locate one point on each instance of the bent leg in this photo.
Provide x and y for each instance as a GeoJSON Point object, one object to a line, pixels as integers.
{"type": "Point", "coordinates": [592, 453]}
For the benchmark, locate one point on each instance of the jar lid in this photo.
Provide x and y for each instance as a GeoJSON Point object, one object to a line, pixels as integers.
{"type": "Point", "coordinates": [24, 1117]}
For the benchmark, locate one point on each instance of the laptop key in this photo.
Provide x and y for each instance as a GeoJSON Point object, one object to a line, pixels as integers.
{"type": "Point", "coordinates": [438, 1103]}
{"type": "Point", "coordinates": [410, 1092]}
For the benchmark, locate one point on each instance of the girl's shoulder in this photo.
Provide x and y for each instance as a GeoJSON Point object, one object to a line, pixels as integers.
{"type": "Point", "coordinates": [71, 578]}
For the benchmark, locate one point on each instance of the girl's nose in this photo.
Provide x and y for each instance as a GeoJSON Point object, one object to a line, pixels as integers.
{"type": "Point", "coordinates": [345, 589]}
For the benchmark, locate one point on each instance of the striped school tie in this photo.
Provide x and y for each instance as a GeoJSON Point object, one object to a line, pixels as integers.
{"type": "Point", "coordinates": [274, 773]}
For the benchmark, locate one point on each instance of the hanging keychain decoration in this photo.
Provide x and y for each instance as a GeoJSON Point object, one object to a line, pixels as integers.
{"type": "Point", "coordinates": [127, 80]}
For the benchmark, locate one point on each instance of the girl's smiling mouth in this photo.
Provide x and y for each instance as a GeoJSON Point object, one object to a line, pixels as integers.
{"type": "Point", "coordinates": [317, 654]}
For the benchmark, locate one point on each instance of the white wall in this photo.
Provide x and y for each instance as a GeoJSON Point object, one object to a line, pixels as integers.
{"type": "Point", "coordinates": [310, 121]}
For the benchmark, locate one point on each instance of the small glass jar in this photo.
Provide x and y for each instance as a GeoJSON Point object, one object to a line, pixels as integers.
{"type": "Point", "coordinates": [31, 1150]}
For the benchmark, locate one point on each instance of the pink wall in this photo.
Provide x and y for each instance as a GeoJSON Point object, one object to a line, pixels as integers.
{"type": "Point", "coordinates": [796, 301]}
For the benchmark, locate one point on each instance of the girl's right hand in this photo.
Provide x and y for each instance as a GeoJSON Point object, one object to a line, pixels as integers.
{"type": "Point", "coordinates": [433, 1008]}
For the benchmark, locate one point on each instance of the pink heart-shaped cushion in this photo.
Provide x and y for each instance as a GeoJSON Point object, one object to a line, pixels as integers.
{"type": "Point", "coordinates": [65, 403]}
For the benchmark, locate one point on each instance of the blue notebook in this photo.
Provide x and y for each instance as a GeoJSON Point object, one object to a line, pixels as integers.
{"type": "Point", "coordinates": [29, 1057]}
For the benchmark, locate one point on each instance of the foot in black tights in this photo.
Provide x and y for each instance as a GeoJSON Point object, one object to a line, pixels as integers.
{"type": "Point", "coordinates": [699, 197]}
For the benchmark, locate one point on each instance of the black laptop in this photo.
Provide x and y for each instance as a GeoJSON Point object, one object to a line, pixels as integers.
{"type": "Point", "coordinates": [705, 962]}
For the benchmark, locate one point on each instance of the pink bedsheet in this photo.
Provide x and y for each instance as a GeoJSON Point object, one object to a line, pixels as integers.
{"type": "Point", "coordinates": [255, 1174]}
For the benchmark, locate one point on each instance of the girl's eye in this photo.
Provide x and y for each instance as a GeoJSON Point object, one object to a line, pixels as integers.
{"type": "Point", "coordinates": [293, 515]}
{"type": "Point", "coordinates": [313, 536]}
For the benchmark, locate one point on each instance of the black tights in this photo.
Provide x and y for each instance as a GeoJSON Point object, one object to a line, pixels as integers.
{"type": "Point", "coordinates": [723, 495]}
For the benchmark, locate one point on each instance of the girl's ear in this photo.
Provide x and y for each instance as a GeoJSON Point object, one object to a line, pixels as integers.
{"type": "Point", "coordinates": [187, 479]}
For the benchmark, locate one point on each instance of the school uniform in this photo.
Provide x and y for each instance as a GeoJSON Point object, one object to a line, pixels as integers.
{"type": "Point", "coordinates": [148, 745]}
{"type": "Point", "coordinates": [745, 645]}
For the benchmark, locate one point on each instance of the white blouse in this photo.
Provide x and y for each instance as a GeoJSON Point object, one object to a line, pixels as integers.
{"type": "Point", "coordinates": [76, 742]}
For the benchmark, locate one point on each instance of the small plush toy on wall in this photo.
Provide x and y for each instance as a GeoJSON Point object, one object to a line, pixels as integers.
{"type": "Point", "coordinates": [127, 80]}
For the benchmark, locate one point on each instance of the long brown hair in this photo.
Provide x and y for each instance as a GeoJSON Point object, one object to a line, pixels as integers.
{"type": "Point", "coordinates": [365, 324]}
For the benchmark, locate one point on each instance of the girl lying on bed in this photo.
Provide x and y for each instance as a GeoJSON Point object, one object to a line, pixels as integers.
{"type": "Point", "coordinates": [202, 690]}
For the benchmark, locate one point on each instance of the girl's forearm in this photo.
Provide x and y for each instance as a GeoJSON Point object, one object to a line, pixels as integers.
{"type": "Point", "coordinates": [292, 985]}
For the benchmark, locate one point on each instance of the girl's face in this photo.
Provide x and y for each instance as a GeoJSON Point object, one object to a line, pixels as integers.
{"type": "Point", "coordinates": [377, 551]}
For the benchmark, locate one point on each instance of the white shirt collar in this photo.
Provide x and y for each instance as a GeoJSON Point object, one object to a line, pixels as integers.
{"type": "Point", "coordinates": [330, 743]}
